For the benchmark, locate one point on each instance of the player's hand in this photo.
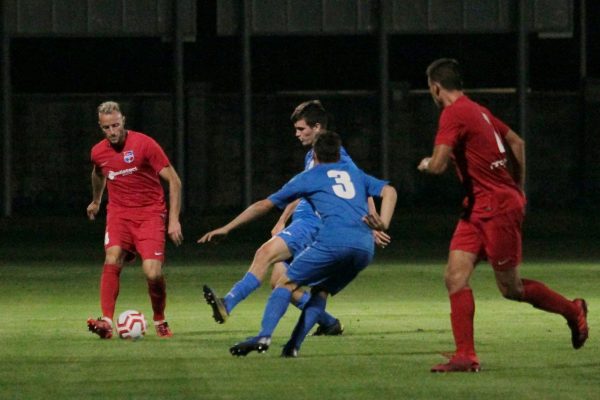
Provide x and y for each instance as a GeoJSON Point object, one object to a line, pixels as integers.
{"type": "Point", "coordinates": [381, 238]}
{"type": "Point", "coordinates": [92, 210]}
{"type": "Point", "coordinates": [215, 236]}
{"type": "Point", "coordinates": [279, 226]}
{"type": "Point", "coordinates": [374, 221]}
{"type": "Point", "coordinates": [424, 164]}
{"type": "Point", "coordinates": [175, 233]}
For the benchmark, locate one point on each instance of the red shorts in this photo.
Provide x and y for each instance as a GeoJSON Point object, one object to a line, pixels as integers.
{"type": "Point", "coordinates": [146, 237]}
{"type": "Point", "coordinates": [497, 238]}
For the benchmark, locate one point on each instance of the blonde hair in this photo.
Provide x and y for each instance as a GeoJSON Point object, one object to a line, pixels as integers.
{"type": "Point", "coordinates": [109, 107]}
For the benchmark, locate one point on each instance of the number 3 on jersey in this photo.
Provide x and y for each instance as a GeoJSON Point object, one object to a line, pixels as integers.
{"type": "Point", "coordinates": [344, 187]}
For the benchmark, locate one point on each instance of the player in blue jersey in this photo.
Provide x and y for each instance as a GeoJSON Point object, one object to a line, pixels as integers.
{"type": "Point", "coordinates": [343, 247]}
{"type": "Point", "coordinates": [309, 118]}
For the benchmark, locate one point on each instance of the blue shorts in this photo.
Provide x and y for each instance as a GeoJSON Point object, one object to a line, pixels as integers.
{"type": "Point", "coordinates": [299, 235]}
{"type": "Point", "coordinates": [331, 268]}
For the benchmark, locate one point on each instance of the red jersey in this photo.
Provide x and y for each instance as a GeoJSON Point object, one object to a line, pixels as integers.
{"type": "Point", "coordinates": [131, 175]}
{"type": "Point", "coordinates": [478, 151]}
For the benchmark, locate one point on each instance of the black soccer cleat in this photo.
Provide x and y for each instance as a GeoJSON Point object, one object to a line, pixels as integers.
{"type": "Point", "coordinates": [289, 351]}
{"type": "Point", "coordinates": [218, 306]}
{"type": "Point", "coordinates": [259, 344]}
{"type": "Point", "coordinates": [333, 330]}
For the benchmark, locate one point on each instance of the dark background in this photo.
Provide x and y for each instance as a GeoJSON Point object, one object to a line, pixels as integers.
{"type": "Point", "coordinates": [295, 62]}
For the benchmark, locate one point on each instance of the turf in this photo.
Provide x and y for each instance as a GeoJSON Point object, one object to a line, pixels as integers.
{"type": "Point", "coordinates": [397, 327]}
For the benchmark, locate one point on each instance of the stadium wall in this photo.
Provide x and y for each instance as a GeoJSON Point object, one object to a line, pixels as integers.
{"type": "Point", "coordinates": [53, 135]}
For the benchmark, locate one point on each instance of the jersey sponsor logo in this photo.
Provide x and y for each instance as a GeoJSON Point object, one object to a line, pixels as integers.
{"type": "Point", "coordinates": [113, 174]}
{"type": "Point", "coordinates": [499, 164]}
{"type": "Point", "coordinates": [128, 156]}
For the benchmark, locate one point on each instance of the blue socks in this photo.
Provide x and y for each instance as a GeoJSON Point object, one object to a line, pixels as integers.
{"type": "Point", "coordinates": [325, 319]}
{"type": "Point", "coordinates": [240, 291]}
{"type": "Point", "coordinates": [276, 306]}
{"type": "Point", "coordinates": [310, 315]}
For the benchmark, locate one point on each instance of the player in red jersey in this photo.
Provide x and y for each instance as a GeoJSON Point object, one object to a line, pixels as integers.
{"type": "Point", "coordinates": [130, 165]}
{"type": "Point", "coordinates": [490, 227]}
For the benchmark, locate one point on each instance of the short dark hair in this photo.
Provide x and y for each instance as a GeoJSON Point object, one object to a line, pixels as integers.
{"type": "Point", "coordinates": [312, 112]}
{"type": "Point", "coordinates": [446, 72]}
{"type": "Point", "coordinates": [327, 146]}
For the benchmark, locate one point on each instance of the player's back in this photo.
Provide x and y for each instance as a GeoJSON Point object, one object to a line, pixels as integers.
{"type": "Point", "coordinates": [339, 193]}
{"type": "Point", "coordinates": [479, 152]}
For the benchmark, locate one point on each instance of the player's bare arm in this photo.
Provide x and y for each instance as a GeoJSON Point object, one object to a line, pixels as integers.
{"type": "Point", "coordinates": [174, 229]}
{"type": "Point", "coordinates": [285, 215]}
{"type": "Point", "coordinates": [438, 162]}
{"type": "Point", "coordinates": [381, 222]}
{"type": "Point", "coordinates": [98, 184]}
{"type": "Point", "coordinates": [255, 211]}
{"type": "Point", "coordinates": [517, 146]}
{"type": "Point", "coordinates": [381, 238]}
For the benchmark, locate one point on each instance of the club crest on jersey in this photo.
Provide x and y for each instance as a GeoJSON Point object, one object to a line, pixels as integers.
{"type": "Point", "coordinates": [128, 156]}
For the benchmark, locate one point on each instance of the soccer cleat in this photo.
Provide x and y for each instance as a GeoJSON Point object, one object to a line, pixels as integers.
{"type": "Point", "coordinates": [218, 306]}
{"type": "Point", "coordinates": [459, 363]}
{"type": "Point", "coordinates": [256, 343]}
{"type": "Point", "coordinates": [101, 327]}
{"type": "Point", "coordinates": [579, 327]}
{"type": "Point", "coordinates": [333, 330]}
{"type": "Point", "coordinates": [289, 351]}
{"type": "Point", "coordinates": [162, 329]}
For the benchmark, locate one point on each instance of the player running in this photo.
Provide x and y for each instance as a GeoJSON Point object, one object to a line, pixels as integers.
{"type": "Point", "coordinates": [129, 164]}
{"type": "Point", "coordinates": [490, 227]}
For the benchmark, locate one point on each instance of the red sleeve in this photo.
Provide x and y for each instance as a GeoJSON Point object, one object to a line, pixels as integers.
{"type": "Point", "coordinates": [449, 130]}
{"type": "Point", "coordinates": [156, 156]}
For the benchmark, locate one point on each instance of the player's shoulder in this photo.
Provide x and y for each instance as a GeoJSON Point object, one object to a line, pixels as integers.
{"type": "Point", "coordinates": [100, 147]}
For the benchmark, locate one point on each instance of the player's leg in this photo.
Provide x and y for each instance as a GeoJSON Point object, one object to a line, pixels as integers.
{"type": "Point", "coordinates": [331, 271]}
{"type": "Point", "coordinates": [275, 308]}
{"type": "Point", "coordinates": [328, 324]}
{"type": "Point", "coordinates": [149, 238]}
{"type": "Point", "coordinates": [504, 250]}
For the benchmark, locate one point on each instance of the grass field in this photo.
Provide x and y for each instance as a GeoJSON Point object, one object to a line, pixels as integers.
{"type": "Point", "coordinates": [396, 318]}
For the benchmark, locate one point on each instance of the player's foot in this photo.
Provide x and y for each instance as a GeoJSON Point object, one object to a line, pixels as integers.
{"type": "Point", "coordinates": [579, 326]}
{"type": "Point", "coordinates": [333, 330]}
{"type": "Point", "coordinates": [459, 363]}
{"type": "Point", "coordinates": [162, 329]}
{"type": "Point", "coordinates": [218, 306]}
{"type": "Point", "coordinates": [256, 343]}
{"type": "Point", "coordinates": [101, 327]}
{"type": "Point", "coordinates": [289, 351]}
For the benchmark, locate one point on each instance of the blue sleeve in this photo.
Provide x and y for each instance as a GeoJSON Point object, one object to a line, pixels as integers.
{"type": "Point", "coordinates": [374, 185]}
{"type": "Point", "coordinates": [289, 192]}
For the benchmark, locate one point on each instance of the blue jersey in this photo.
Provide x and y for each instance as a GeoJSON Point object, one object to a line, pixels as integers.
{"type": "Point", "coordinates": [338, 192]}
{"type": "Point", "coordinates": [305, 210]}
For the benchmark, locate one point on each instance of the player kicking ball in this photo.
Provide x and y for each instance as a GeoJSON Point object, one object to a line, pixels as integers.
{"type": "Point", "coordinates": [130, 165]}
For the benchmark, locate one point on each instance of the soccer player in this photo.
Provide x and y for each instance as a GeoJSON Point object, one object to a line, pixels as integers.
{"type": "Point", "coordinates": [490, 227]}
{"type": "Point", "coordinates": [130, 165]}
{"type": "Point", "coordinates": [308, 118]}
{"type": "Point", "coordinates": [343, 246]}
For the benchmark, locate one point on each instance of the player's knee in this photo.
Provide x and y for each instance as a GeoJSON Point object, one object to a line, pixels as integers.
{"type": "Point", "coordinates": [511, 293]}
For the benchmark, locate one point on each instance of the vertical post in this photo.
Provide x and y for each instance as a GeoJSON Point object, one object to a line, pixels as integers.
{"type": "Point", "coordinates": [523, 71]}
{"type": "Point", "coordinates": [6, 112]}
{"type": "Point", "coordinates": [247, 102]}
{"type": "Point", "coordinates": [384, 84]}
{"type": "Point", "coordinates": [178, 93]}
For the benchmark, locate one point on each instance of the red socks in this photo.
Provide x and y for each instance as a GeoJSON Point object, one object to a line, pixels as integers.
{"type": "Point", "coordinates": [158, 296]}
{"type": "Point", "coordinates": [109, 289]}
{"type": "Point", "coordinates": [540, 296]}
{"type": "Point", "coordinates": [462, 312]}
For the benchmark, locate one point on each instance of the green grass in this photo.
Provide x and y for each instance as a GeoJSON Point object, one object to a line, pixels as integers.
{"type": "Point", "coordinates": [396, 318]}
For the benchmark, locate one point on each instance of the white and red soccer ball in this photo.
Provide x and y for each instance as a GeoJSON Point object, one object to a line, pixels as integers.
{"type": "Point", "coordinates": [131, 325]}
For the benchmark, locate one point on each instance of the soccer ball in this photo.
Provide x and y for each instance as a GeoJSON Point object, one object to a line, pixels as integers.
{"type": "Point", "coordinates": [131, 325]}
